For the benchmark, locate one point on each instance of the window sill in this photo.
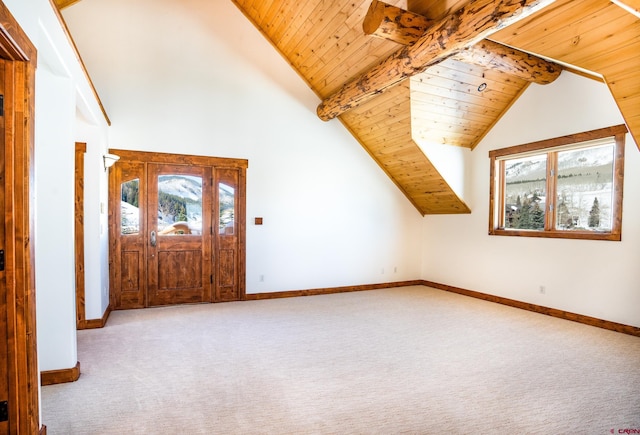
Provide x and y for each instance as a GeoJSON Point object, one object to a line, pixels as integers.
{"type": "Point", "coordinates": [580, 235]}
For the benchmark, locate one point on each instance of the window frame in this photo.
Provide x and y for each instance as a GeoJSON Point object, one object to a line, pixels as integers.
{"type": "Point", "coordinates": [551, 147]}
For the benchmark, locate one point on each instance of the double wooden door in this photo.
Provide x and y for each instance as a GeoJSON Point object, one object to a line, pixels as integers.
{"type": "Point", "coordinates": [177, 229]}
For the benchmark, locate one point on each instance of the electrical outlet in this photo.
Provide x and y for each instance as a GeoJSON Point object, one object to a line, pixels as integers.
{"type": "Point", "coordinates": [543, 290]}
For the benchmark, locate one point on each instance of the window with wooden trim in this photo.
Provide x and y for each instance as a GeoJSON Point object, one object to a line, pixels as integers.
{"type": "Point", "coordinates": [566, 187]}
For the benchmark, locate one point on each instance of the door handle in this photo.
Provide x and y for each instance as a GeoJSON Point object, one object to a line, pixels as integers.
{"type": "Point", "coordinates": [153, 238]}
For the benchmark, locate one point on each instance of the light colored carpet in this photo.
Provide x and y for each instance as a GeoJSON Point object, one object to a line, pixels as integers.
{"type": "Point", "coordinates": [408, 360]}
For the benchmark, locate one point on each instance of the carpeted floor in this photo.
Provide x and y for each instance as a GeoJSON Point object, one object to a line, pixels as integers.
{"type": "Point", "coordinates": [410, 360]}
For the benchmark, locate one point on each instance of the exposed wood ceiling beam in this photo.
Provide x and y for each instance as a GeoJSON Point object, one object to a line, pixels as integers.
{"type": "Point", "coordinates": [394, 24]}
{"type": "Point", "coordinates": [405, 27]}
{"type": "Point", "coordinates": [512, 61]}
{"type": "Point", "coordinates": [466, 27]}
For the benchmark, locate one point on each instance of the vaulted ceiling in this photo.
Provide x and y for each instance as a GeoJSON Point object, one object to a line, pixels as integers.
{"type": "Point", "coordinates": [401, 73]}
{"type": "Point", "coordinates": [456, 100]}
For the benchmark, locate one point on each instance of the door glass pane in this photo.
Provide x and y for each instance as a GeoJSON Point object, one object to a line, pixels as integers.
{"type": "Point", "coordinates": [525, 192]}
{"type": "Point", "coordinates": [179, 204]}
{"type": "Point", "coordinates": [129, 211]}
{"type": "Point", "coordinates": [585, 189]}
{"type": "Point", "coordinates": [226, 195]}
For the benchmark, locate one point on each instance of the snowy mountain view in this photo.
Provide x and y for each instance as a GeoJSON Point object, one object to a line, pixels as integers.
{"type": "Point", "coordinates": [179, 200]}
{"type": "Point", "coordinates": [584, 190]}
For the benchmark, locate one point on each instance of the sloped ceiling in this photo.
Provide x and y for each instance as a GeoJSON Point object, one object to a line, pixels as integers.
{"type": "Point", "coordinates": [325, 43]}
{"type": "Point", "coordinates": [453, 101]}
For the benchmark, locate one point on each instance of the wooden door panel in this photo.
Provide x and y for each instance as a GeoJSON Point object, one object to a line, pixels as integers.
{"type": "Point", "coordinates": [230, 217]}
{"type": "Point", "coordinates": [227, 275]}
{"type": "Point", "coordinates": [128, 202]}
{"type": "Point", "coordinates": [132, 281]}
{"type": "Point", "coordinates": [227, 267]}
{"type": "Point", "coordinates": [179, 215]}
{"type": "Point", "coordinates": [179, 270]}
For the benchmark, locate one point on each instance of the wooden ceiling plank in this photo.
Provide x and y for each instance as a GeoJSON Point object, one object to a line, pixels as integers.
{"type": "Point", "coordinates": [593, 54]}
{"type": "Point", "coordinates": [422, 109]}
{"type": "Point", "coordinates": [386, 113]}
{"type": "Point", "coordinates": [303, 16]}
{"type": "Point", "coordinates": [389, 129]}
{"type": "Point", "coordinates": [477, 20]}
{"type": "Point", "coordinates": [386, 136]}
{"type": "Point", "coordinates": [448, 135]}
{"type": "Point", "coordinates": [572, 44]}
{"type": "Point", "coordinates": [485, 98]}
{"type": "Point", "coordinates": [435, 121]}
{"type": "Point", "coordinates": [276, 13]}
{"type": "Point", "coordinates": [324, 35]}
{"type": "Point", "coordinates": [616, 58]}
{"type": "Point", "coordinates": [465, 108]}
{"type": "Point", "coordinates": [524, 34]}
{"type": "Point", "coordinates": [309, 32]}
{"type": "Point", "coordinates": [458, 78]}
{"type": "Point", "coordinates": [351, 60]}
{"type": "Point", "coordinates": [444, 131]}
{"type": "Point", "coordinates": [284, 19]}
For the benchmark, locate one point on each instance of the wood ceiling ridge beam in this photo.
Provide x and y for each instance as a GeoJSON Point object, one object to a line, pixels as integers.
{"type": "Point", "coordinates": [468, 26]}
{"type": "Point", "coordinates": [405, 27]}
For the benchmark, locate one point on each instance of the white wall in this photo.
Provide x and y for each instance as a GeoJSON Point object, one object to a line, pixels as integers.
{"type": "Point", "coordinates": [54, 222]}
{"type": "Point", "coordinates": [593, 278]}
{"type": "Point", "coordinates": [207, 83]}
{"type": "Point", "coordinates": [62, 92]}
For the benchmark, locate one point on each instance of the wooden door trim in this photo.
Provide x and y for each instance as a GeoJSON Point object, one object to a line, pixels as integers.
{"type": "Point", "coordinates": [81, 317]}
{"type": "Point", "coordinates": [15, 46]}
{"type": "Point", "coordinates": [177, 159]}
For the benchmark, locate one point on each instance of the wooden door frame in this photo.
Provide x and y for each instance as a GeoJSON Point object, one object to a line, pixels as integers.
{"type": "Point", "coordinates": [81, 317]}
{"type": "Point", "coordinates": [15, 47]}
{"type": "Point", "coordinates": [184, 159]}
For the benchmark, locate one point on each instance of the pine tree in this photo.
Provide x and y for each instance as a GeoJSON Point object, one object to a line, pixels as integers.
{"type": "Point", "coordinates": [594, 214]}
{"type": "Point", "coordinates": [537, 217]}
{"type": "Point", "coordinates": [524, 220]}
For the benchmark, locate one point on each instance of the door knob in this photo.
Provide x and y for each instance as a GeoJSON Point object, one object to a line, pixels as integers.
{"type": "Point", "coordinates": [153, 238]}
